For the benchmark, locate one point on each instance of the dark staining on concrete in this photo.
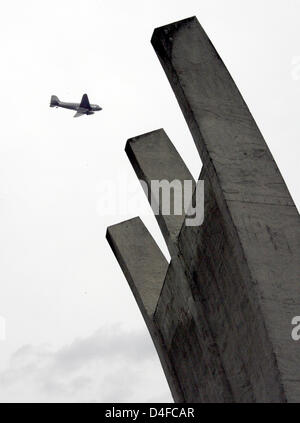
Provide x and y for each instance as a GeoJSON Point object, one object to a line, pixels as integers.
{"type": "Point", "coordinates": [220, 312]}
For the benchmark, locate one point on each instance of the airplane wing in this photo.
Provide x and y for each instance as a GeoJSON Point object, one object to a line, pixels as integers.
{"type": "Point", "coordinates": [80, 112]}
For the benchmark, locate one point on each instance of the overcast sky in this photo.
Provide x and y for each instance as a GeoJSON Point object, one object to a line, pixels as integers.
{"type": "Point", "coordinates": [73, 330]}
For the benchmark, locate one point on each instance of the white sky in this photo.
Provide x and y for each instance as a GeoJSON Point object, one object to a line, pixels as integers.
{"type": "Point", "coordinates": [73, 330]}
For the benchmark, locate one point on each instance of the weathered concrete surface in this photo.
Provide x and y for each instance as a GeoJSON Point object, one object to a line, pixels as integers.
{"type": "Point", "coordinates": [154, 158]}
{"type": "Point", "coordinates": [144, 267]}
{"type": "Point", "coordinates": [216, 303]}
{"type": "Point", "coordinates": [141, 260]}
{"type": "Point", "coordinates": [188, 339]}
{"type": "Point", "coordinates": [221, 317]}
{"type": "Point", "coordinates": [258, 284]}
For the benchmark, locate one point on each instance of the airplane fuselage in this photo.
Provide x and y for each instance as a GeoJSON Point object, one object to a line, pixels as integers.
{"type": "Point", "coordinates": [75, 106]}
{"type": "Point", "coordinates": [82, 108]}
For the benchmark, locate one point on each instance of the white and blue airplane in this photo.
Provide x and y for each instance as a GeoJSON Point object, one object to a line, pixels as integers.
{"type": "Point", "coordinates": [82, 108]}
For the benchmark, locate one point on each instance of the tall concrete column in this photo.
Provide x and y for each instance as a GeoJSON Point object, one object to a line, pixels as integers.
{"type": "Point", "coordinates": [223, 313]}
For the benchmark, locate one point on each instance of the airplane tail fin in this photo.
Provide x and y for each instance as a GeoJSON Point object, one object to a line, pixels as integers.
{"type": "Point", "coordinates": [54, 101]}
{"type": "Point", "coordinates": [85, 104]}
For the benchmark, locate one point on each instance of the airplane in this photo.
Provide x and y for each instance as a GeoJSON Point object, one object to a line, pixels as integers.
{"type": "Point", "coordinates": [82, 108]}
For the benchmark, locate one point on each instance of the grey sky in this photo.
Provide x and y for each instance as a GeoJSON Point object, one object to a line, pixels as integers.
{"type": "Point", "coordinates": [79, 371]}
{"type": "Point", "coordinates": [59, 279]}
